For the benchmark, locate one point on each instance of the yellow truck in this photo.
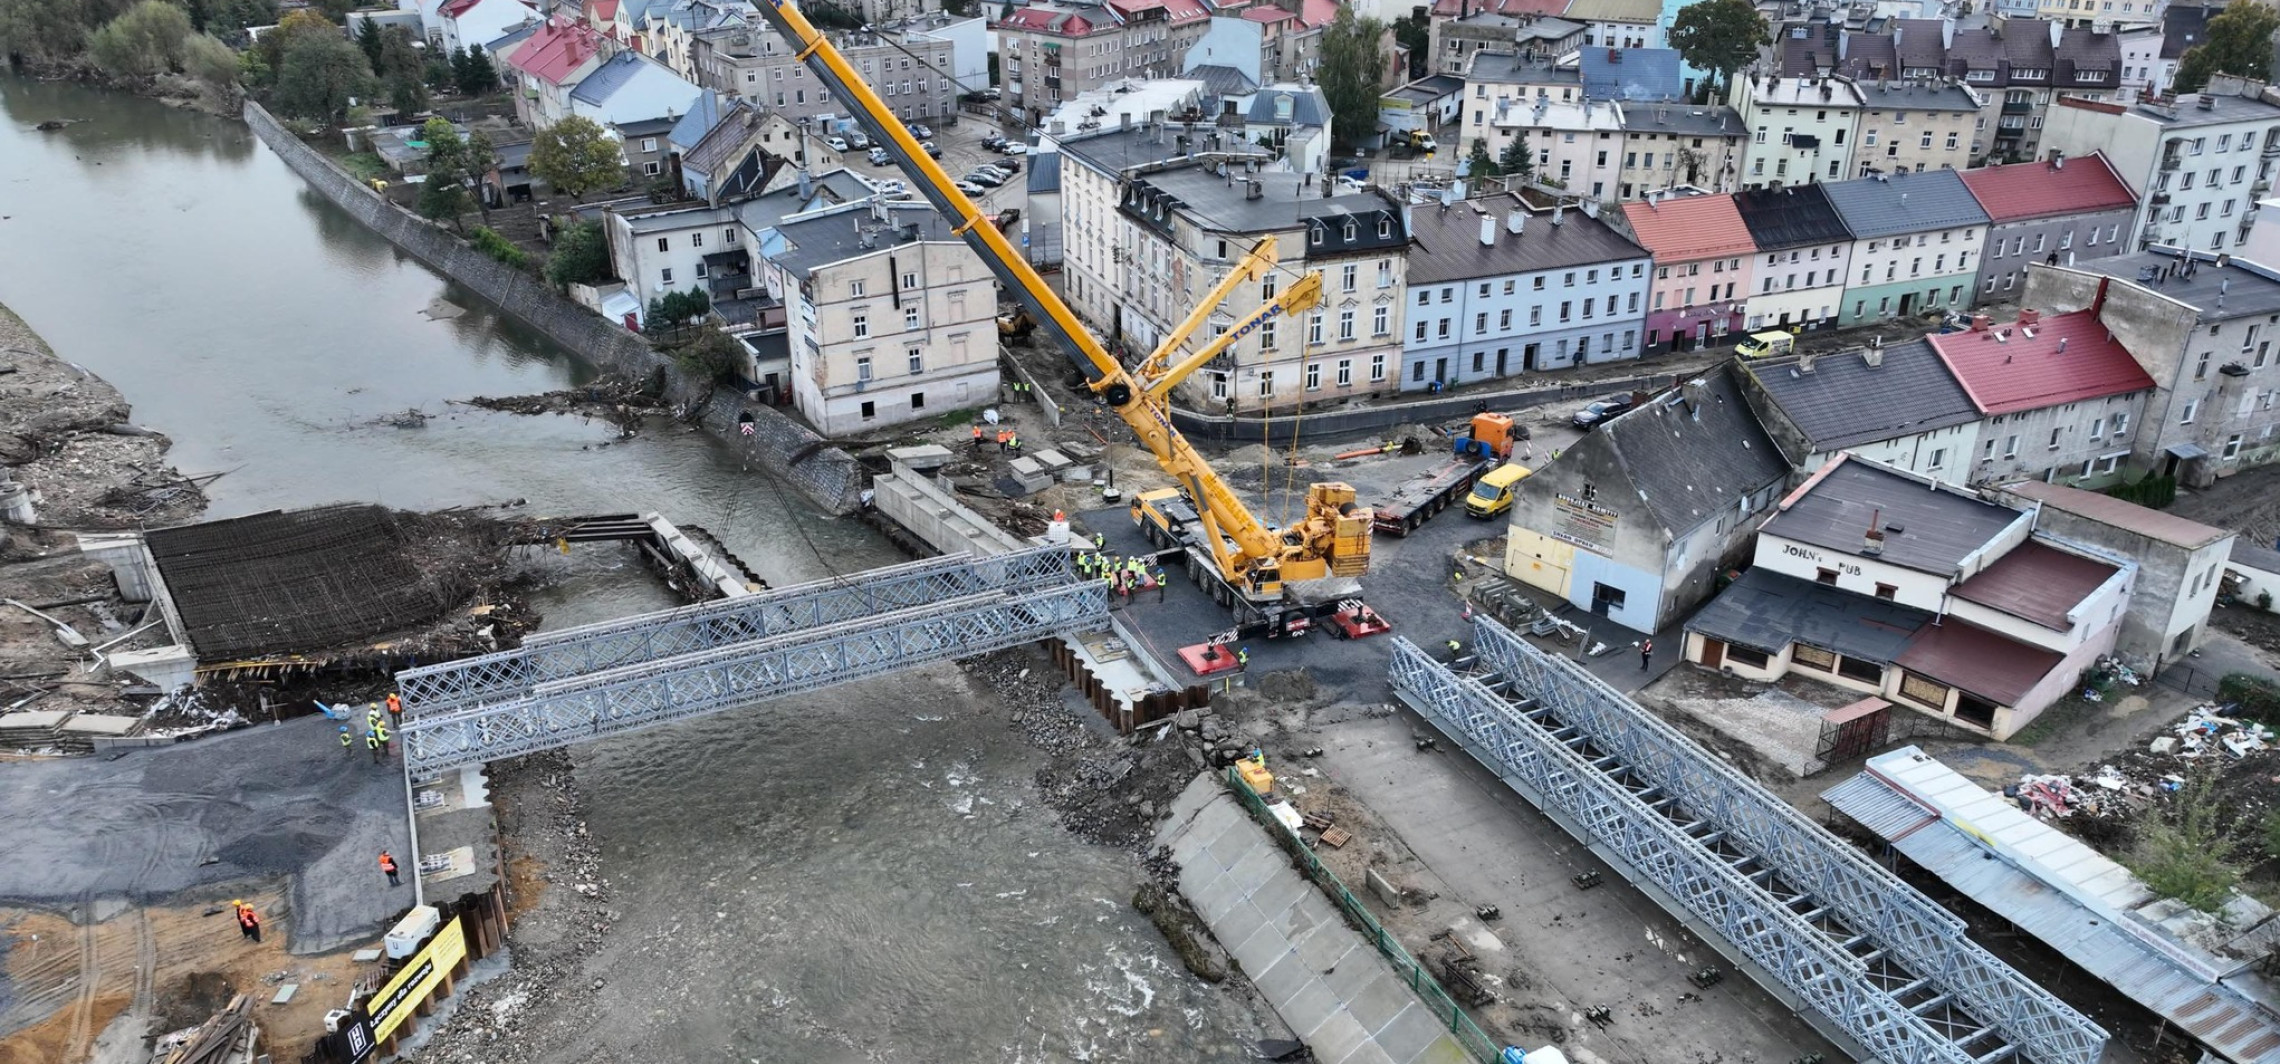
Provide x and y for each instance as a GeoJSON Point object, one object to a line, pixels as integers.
{"type": "Point", "coordinates": [1763, 344]}
{"type": "Point", "coordinates": [1494, 492]}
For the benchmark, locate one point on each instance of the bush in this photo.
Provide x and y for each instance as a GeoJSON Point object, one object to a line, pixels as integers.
{"type": "Point", "coordinates": [2264, 601]}
{"type": "Point", "coordinates": [581, 256]}
{"type": "Point", "coordinates": [713, 356]}
{"type": "Point", "coordinates": [2151, 492]}
{"type": "Point", "coordinates": [488, 241]}
{"type": "Point", "coordinates": [2257, 696]}
{"type": "Point", "coordinates": [2184, 852]}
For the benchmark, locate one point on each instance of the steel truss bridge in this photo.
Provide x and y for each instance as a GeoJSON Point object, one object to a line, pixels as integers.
{"type": "Point", "coordinates": [619, 676]}
{"type": "Point", "coordinates": [1884, 971]}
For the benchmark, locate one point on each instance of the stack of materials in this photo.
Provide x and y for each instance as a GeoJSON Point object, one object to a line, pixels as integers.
{"type": "Point", "coordinates": [32, 728]}
{"type": "Point", "coordinates": [226, 1038]}
{"type": "Point", "coordinates": [78, 735]}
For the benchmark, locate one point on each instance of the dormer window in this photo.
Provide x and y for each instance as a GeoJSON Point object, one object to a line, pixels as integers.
{"type": "Point", "coordinates": [1349, 232]}
{"type": "Point", "coordinates": [1315, 235]}
{"type": "Point", "coordinates": [1385, 228]}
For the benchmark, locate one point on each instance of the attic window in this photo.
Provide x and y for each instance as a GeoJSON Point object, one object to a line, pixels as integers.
{"type": "Point", "coordinates": [1349, 232]}
{"type": "Point", "coordinates": [1315, 237]}
{"type": "Point", "coordinates": [1385, 228]}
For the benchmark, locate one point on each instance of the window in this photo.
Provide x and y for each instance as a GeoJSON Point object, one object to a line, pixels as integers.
{"type": "Point", "coordinates": [870, 410]}
{"type": "Point", "coordinates": [728, 236]}
{"type": "Point", "coordinates": [1825, 576]}
{"type": "Point", "coordinates": [1266, 382]}
{"type": "Point", "coordinates": [2010, 446]}
{"type": "Point", "coordinates": [1939, 458]}
{"type": "Point", "coordinates": [1885, 591]}
{"type": "Point", "coordinates": [1267, 336]}
{"type": "Point", "coordinates": [701, 272]}
{"type": "Point", "coordinates": [665, 276]}
{"type": "Point", "coordinates": [1314, 376]}
{"type": "Point", "coordinates": [1746, 656]}
{"type": "Point", "coordinates": [1480, 323]}
{"type": "Point", "coordinates": [862, 325]}
{"type": "Point", "coordinates": [863, 368]}
{"type": "Point", "coordinates": [1348, 277]}
{"type": "Point", "coordinates": [664, 243]}
{"type": "Point", "coordinates": [2192, 406]}
{"type": "Point", "coordinates": [1377, 369]}
{"type": "Point", "coordinates": [855, 289]}
{"type": "Point", "coordinates": [1345, 372]}
{"type": "Point", "coordinates": [910, 317]}
{"type": "Point", "coordinates": [1420, 329]}
{"type": "Point", "coordinates": [1346, 324]}
{"type": "Point", "coordinates": [917, 360]}
{"type": "Point", "coordinates": [1813, 657]}
{"type": "Point", "coordinates": [1417, 373]}
{"type": "Point", "coordinates": [2121, 423]}
{"type": "Point", "coordinates": [649, 144]}
{"type": "Point", "coordinates": [1314, 329]}
{"type": "Point", "coordinates": [2232, 447]}
{"type": "Point", "coordinates": [2054, 435]}
{"type": "Point", "coordinates": [654, 169]}
{"type": "Point", "coordinates": [909, 280]}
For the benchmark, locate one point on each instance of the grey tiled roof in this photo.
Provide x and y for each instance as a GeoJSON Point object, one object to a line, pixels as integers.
{"type": "Point", "coordinates": [1690, 461]}
{"type": "Point", "coordinates": [1769, 610]}
{"type": "Point", "coordinates": [1449, 247]}
{"type": "Point", "coordinates": [1511, 69]}
{"type": "Point", "coordinates": [1844, 402]}
{"type": "Point", "coordinates": [1120, 149]}
{"type": "Point", "coordinates": [1792, 217]}
{"type": "Point", "coordinates": [820, 241]}
{"type": "Point", "coordinates": [1928, 529]}
{"type": "Point", "coordinates": [1221, 205]}
{"type": "Point", "coordinates": [2243, 289]}
{"type": "Point", "coordinates": [1905, 203]}
{"type": "Point", "coordinates": [1697, 120]}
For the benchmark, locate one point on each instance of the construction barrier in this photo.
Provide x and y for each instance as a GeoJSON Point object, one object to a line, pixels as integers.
{"type": "Point", "coordinates": [1144, 710]}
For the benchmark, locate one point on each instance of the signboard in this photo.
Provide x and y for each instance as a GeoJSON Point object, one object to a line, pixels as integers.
{"type": "Point", "coordinates": [352, 1043]}
{"type": "Point", "coordinates": [1582, 522]}
{"type": "Point", "coordinates": [401, 996]}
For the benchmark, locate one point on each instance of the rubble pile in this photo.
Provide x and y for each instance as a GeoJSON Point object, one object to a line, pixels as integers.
{"type": "Point", "coordinates": [614, 399]}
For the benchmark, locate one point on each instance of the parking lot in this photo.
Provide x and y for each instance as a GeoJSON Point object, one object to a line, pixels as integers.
{"type": "Point", "coordinates": [962, 152]}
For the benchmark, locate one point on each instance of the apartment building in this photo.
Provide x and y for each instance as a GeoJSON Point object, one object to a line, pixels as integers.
{"type": "Point", "coordinates": [1050, 52]}
{"type": "Point", "coordinates": [1496, 287]}
{"type": "Point", "coordinates": [661, 250]}
{"type": "Point", "coordinates": [2202, 326]}
{"type": "Point", "coordinates": [1916, 245]}
{"type": "Point", "coordinates": [1619, 23]}
{"type": "Point", "coordinates": [1803, 251]}
{"type": "Point", "coordinates": [1576, 146]}
{"type": "Point", "coordinates": [1801, 129]}
{"type": "Point", "coordinates": [2061, 397]}
{"type": "Point", "coordinates": [1914, 125]}
{"type": "Point", "coordinates": [2179, 562]}
{"type": "Point", "coordinates": [2199, 162]}
{"type": "Point", "coordinates": [2051, 212]}
{"type": "Point", "coordinates": [1704, 260]}
{"type": "Point", "coordinates": [892, 318]}
{"type": "Point", "coordinates": [548, 66]}
{"type": "Point", "coordinates": [1894, 403]}
{"type": "Point", "coordinates": [1668, 146]}
{"type": "Point", "coordinates": [750, 61]}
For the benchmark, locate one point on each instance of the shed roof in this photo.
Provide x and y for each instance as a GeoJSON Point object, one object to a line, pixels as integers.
{"type": "Point", "coordinates": [1928, 527]}
{"type": "Point", "coordinates": [1769, 610]}
{"type": "Point", "coordinates": [2082, 185]}
{"type": "Point", "coordinates": [1690, 227]}
{"type": "Point", "coordinates": [1843, 401]}
{"type": "Point", "coordinates": [1891, 204]}
{"type": "Point", "coordinates": [2250, 556]}
{"type": "Point", "coordinates": [2067, 359]}
{"type": "Point", "coordinates": [2127, 516]}
{"type": "Point", "coordinates": [1989, 664]}
{"type": "Point", "coordinates": [2037, 582]}
{"type": "Point", "coordinates": [1694, 452]}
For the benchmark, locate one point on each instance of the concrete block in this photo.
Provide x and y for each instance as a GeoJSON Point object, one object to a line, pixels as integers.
{"type": "Point", "coordinates": [1373, 1053]}
{"type": "Point", "coordinates": [1283, 981]}
{"type": "Point", "coordinates": [166, 668]}
{"type": "Point", "coordinates": [1240, 922]}
{"type": "Point", "coordinates": [1257, 866]}
{"type": "Point", "coordinates": [1079, 451]}
{"type": "Point", "coordinates": [1275, 898]}
{"type": "Point", "coordinates": [1410, 1031]}
{"type": "Point", "coordinates": [1335, 1038]}
{"type": "Point", "coordinates": [1077, 474]}
{"type": "Point", "coordinates": [1325, 948]}
{"type": "Point", "coordinates": [1384, 888]}
{"type": "Point", "coordinates": [1235, 846]}
{"type": "Point", "coordinates": [1215, 897]}
{"type": "Point", "coordinates": [923, 457]}
{"type": "Point", "coordinates": [1312, 1006]}
{"type": "Point", "coordinates": [1052, 461]}
{"type": "Point", "coordinates": [1371, 991]}
{"type": "Point", "coordinates": [1030, 475]}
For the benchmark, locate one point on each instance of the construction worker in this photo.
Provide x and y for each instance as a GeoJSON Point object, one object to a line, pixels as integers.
{"type": "Point", "coordinates": [387, 746]}
{"type": "Point", "coordinates": [372, 715]}
{"type": "Point", "coordinates": [248, 921]}
{"type": "Point", "coordinates": [346, 747]}
{"type": "Point", "coordinates": [1084, 565]}
{"type": "Point", "coordinates": [1017, 442]}
{"type": "Point", "coordinates": [1646, 654]}
{"type": "Point", "coordinates": [1002, 436]}
{"type": "Point", "coordinates": [395, 707]}
{"type": "Point", "coordinates": [1100, 541]}
{"type": "Point", "coordinates": [1456, 648]}
{"type": "Point", "coordinates": [1243, 657]}
{"type": "Point", "coordinates": [1159, 583]}
{"type": "Point", "coordinates": [388, 868]}
{"type": "Point", "coordinates": [977, 435]}
{"type": "Point", "coordinates": [372, 742]}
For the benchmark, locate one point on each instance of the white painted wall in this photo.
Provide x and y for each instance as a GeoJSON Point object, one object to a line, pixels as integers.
{"type": "Point", "coordinates": [1855, 574]}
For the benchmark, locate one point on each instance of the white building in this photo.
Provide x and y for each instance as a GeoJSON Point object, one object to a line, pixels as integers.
{"type": "Point", "coordinates": [632, 88]}
{"type": "Point", "coordinates": [659, 250]}
{"type": "Point", "coordinates": [1800, 128]}
{"type": "Point", "coordinates": [469, 23]}
{"type": "Point", "coordinates": [1578, 146]}
{"type": "Point", "coordinates": [2198, 163]}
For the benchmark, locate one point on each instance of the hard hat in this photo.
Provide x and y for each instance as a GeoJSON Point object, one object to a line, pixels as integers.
{"type": "Point", "coordinates": [237, 901]}
{"type": "Point", "coordinates": [344, 727]}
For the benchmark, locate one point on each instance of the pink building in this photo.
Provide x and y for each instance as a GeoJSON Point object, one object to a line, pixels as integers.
{"type": "Point", "coordinates": [1704, 258]}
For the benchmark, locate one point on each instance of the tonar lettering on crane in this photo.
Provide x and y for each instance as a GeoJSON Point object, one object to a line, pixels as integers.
{"type": "Point", "coordinates": [1274, 579]}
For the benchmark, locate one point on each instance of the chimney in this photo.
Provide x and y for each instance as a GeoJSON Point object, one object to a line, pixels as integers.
{"type": "Point", "coordinates": [2030, 316]}
{"type": "Point", "coordinates": [1515, 222]}
{"type": "Point", "coordinates": [1872, 542]}
{"type": "Point", "coordinates": [1253, 188]}
{"type": "Point", "coordinates": [1979, 323]}
{"type": "Point", "coordinates": [1559, 214]}
{"type": "Point", "coordinates": [1873, 356]}
{"type": "Point", "coordinates": [1805, 363]}
{"type": "Point", "coordinates": [2058, 162]}
{"type": "Point", "coordinates": [2062, 345]}
{"type": "Point", "coordinates": [1488, 230]}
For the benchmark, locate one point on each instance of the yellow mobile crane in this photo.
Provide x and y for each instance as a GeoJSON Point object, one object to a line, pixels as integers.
{"type": "Point", "coordinates": [1275, 579]}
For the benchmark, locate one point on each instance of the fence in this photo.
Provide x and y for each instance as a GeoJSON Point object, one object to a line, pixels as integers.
{"type": "Point", "coordinates": [1406, 967]}
{"type": "Point", "coordinates": [2192, 680]}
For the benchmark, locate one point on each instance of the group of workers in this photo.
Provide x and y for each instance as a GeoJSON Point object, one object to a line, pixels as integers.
{"type": "Point", "coordinates": [1007, 439]}
{"type": "Point", "coordinates": [1124, 575]}
{"type": "Point", "coordinates": [378, 729]}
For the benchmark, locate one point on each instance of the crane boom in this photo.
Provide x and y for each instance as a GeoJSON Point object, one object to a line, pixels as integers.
{"type": "Point", "coordinates": [1332, 540]}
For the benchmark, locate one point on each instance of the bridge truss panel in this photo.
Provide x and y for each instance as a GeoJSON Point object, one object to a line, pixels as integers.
{"type": "Point", "coordinates": [587, 649]}
{"type": "Point", "coordinates": [629, 698]}
{"type": "Point", "coordinates": [1903, 924]}
{"type": "Point", "coordinates": [1713, 890]}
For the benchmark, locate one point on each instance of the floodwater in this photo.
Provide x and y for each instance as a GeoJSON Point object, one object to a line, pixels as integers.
{"type": "Point", "coordinates": [860, 875]}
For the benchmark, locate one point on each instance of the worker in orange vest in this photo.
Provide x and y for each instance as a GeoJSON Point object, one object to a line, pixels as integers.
{"type": "Point", "coordinates": [249, 922]}
{"type": "Point", "coordinates": [1004, 435]}
{"type": "Point", "coordinates": [977, 435]}
{"type": "Point", "coordinates": [388, 868]}
{"type": "Point", "coordinates": [395, 707]}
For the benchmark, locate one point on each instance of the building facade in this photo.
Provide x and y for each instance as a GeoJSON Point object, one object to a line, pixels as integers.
{"type": "Point", "coordinates": [1804, 251]}
{"type": "Point", "coordinates": [1913, 126]}
{"type": "Point", "coordinates": [1497, 288]}
{"type": "Point", "coordinates": [2061, 397]}
{"type": "Point", "coordinates": [2053, 212]}
{"type": "Point", "coordinates": [1801, 129]}
{"type": "Point", "coordinates": [2179, 562]}
{"type": "Point", "coordinates": [1704, 269]}
{"type": "Point", "coordinates": [1050, 52]}
{"type": "Point", "coordinates": [1916, 245]}
{"type": "Point", "coordinates": [2199, 163]}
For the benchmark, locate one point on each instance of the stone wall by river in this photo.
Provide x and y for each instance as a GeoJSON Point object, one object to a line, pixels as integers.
{"type": "Point", "coordinates": [828, 475]}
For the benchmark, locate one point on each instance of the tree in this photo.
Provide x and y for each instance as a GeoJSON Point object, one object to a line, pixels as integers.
{"type": "Point", "coordinates": [678, 307]}
{"type": "Point", "coordinates": [402, 72]}
{"type": "Point", "coordinates": [1720, 36]}
{"type": "Point", "coordinates": [144, 42]}
{"type": "Point", "coordinates": [2184, 851]}
{"type": "Point", "coordinates": [472, 71]}
{"type": "Point", "coordinates": [2239, 42]}
{"type": "Point", "coordinates": [42, 33]}
{"type": "Point", "coordinates": [443, 194]}
{"type": "Point", "coordinates": [1480, 163]}
{"type": "Point", "coordinates": [293, 27]}
{"type": "Point", "coordinates": [581, 256]}
{"type": "Point", "coordinates": [210, 61]}
{"type": "Point", "coordinates": [482, 157]}
{"type": "Point", "coordinates": [713, 355]}
{"type": "Point", "coordinates": [1353, 74]}
{"type": "Point", "coordinates": [368, 39]}
{"type": "Point", "coordinates": [575, 157]}
{"type": "Point", "coordinates": [319, 76]}
{"type": "Point", "coordinates": [1514, 159]}
{"type": "Point", "coordinates": [225, 19]}
{"type": "Point", "coordinates": [1415, 35]}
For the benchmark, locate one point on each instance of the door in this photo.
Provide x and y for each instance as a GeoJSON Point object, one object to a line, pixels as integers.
{"type": "Point", "coordinates": [1702, 335]}
{"type": "Point", "coordinates": [1907, 303]}
{"type": "Point", "coordinates": [1528, 358]}
{"type": "Point", "coordinates": [1605, 598]}
{"type": "Point", "coordinates": [1713, 653]}
{"type": "Point", "coordinates": [1441, 370]}
{"type": "Point", "coordinates": [1500, 353]}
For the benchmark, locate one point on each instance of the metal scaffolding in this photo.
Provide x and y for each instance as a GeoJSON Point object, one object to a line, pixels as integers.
{"type": "Point", "coordinates": [560, 712]}
{"type": "Point", "coordinates": [1878, 962]}
{"type": "Point", "coordinates": [588, 649]}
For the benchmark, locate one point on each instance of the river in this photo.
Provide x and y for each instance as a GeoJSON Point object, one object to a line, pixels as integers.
{"type": "Point", "coordinates": [869, 877]}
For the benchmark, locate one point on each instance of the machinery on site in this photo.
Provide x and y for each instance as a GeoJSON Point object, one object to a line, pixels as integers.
{"type": "Point", "coordinates": [1275, 579]}
{"type": "Point", "coordinates": [1490, 435]}
{"type": "Point", "coordinates": [1429, 493]}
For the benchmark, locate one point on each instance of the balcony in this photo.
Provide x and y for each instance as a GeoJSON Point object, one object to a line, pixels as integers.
{"type": "Point", "coordinates": [2272, 147]}
{"type": "Point", "coordinates": [2021, 108]}
{"type": "Point", "coordinates": [2171, 162]}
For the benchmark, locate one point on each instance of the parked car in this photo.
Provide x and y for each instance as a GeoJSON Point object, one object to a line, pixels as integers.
{"type": "Point", "coordinates": [891, 189]}
{"type": "Point", "coordinates": [856, 139]}
{"type": "Point", "coordinates": [932, 152]}
{"type": "Point", "coordinates": [1014, 148]}
{"type": "Point", "coordinates": [971, 188]}
{"type": "Point", "coordinates": [836, 143]}
{"type": "Point", "coordinates": [986, 177]}
{"type": "Point", "coordinates": [922, 131]}
{"type": "Point", "coordinates": [1009, 164]}
{"type": "Point", "coordinates": [878, 156]}
{"type": "Point", "coordinates": [994, 170]}
{"type": "Point", "coordinates": [1601, 411]}
{"type": "Point", "coordinates": [993, 142]}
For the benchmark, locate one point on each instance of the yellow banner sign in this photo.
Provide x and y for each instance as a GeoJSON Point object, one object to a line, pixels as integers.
{"type": "Point", "coordinates": [400, 997]}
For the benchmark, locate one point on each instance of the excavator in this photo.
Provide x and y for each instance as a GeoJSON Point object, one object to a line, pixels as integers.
{"type": "Point", "coordinates": [1276, 580]}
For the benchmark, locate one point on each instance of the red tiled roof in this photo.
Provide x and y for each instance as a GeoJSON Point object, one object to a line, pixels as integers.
{"type": "Point", "coordinates": [456, 8]}
{"type": "Point", "coordinates": [1268, 14]}
{"type": "Point", "coordinates": [2029, 373]}
{"type": "Point", "coordinates": [1184, 11]}
{"type": "Point", "coordinates": [1320, 13]}
{"type": "Point", "coordinates": [556, 51]}
{"type": "Point", "coordinates": [1454, 8]}
{"type": "Point", "coordinates": [1047, 20]}
{"type": "Point", "coordinates": [2037, 582]}
{"type": "Point", "coordinates": [2037, 190]}
{"type": "Point", "coordinates": [1993, 666]}
{"type": "Point", "coordinates": [605, 10]}
{"type": "Point", "coordinates": [1691, 227]}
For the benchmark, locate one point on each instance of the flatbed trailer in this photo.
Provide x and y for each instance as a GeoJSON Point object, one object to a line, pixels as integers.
{"type": "Point", "coordinates": [1428, 493]}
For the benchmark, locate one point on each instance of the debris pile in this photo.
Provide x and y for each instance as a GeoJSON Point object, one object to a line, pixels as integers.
{"type": "Point", "coordinates": [615, 399]}
{"type": "Point", "coordinates": [2210, 728]}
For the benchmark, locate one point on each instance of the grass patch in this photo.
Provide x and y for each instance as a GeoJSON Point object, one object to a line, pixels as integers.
{"type": "Point", "coordinates": [489, 242]}
{"type": "Point", "coordinates": [367, 166]}
{"type": "Point", "coordinates": [956, 418]}
{"type": "Point", "coordinates": [2057, 717]}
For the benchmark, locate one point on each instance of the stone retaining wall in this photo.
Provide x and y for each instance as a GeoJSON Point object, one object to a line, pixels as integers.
{"type": "Point", "coordinates": [827, 475]}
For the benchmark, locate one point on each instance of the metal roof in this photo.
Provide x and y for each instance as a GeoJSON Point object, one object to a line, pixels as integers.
{"type": "Point", "coordinates": [1927, 527]}
{"type": "Point", "coordinates": [1841, 401]}
{"type": "Point", "coordinates": [2037, 582]}
{"type": "Point", "coordinates": [2237, 289]}
{"type": "Point", "coordinates": [2251, 556]}
{"type": "Point", "coordinates": [1768, 610]}
{"type": "Point", "coordinates": [2064, 893]}
{"type": "Point", "coordinates": [2128, 516]}
{"type": "Point", "coordinates": [2050, 189]}
{"type": "Point", "coordinates": [1449, 247]}
{"type": "Point", "coordinates": [1792, 217]}
{"type": "Point", "coordinates": [1644, 75]}
{"type": "Point", "coordinates": [1978, 660]}
{"type": "Point", "coordinates": [1690, 227]}
{"type": "Point", "coordinates": [1891, 204]}
{"type": "Point", "coordinates": [1695, 451]}
{"type": "Point", "coordinates": [2060, 359]}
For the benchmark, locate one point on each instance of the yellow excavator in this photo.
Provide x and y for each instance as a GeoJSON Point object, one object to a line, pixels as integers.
{"type": "Point", "coordinates": [1275, 579]}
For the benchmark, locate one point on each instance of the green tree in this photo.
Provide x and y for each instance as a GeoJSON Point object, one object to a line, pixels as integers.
{"type": "Point", "coordinates": [472, 71]}
{"type": "Point", "coordinates": [227, 18]}
{"type": "Point", "coordinates": [482, 158]}
{"type": "Point", "coordinates": [2239, 42]}
{"type": "Point", "coordinates": [1353, 74]}
{"type": "Point", "coordinates": [2184, 851]}
{"type": "Point", "coordinates": [42, 33]}
{"type": "Point", "coordinates": [1720, 36]}
{"type": "Point", "coordinates": [1514, 159]}
{"type": "Point", "coordinates": [713, 355]}
{"type": "Point", "coordinates": [581, 256]}
{"type": "Point", "coordinates": [210, 61]}
{"type": "Point", "coordinates": [144, 42]}
{"type": "Point", "coordinates": [678, 307]}
{"type": "Point", "coordinates": [1479, 163]}
{"type": "Point", "coordinates": [402, 71]}
{"type": "Point", "coordinates": [319, 76]}
{"type": "Point", "coordinates": [443, 193]}
{"type": "Point", "coordinates": [367, 37]}
{"type": "Point", "coordinates": [293, 27]}
{"type": "Point", "coordinates": [337, 10]}
{"type": "Point", "coordinates": [1415, 35]}
{"type": "Point", "coordinates": [575, 157]}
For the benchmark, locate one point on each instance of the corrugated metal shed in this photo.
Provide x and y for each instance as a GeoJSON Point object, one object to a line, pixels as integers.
{"type": "Point", "coordinates": [2060, 891]}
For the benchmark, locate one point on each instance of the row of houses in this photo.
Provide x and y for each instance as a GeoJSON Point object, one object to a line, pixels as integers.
{"type": "Point", "coordinates": [1918, 520]}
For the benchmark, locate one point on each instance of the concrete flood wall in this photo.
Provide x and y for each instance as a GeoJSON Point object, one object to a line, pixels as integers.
{"type": "Point", "coordinates": [827, 475]}
{"type": "Point", "coordinates": [918, 503]}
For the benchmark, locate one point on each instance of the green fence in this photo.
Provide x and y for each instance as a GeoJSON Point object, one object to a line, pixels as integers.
{"type": "Point", "coordinates": [1468, 1034]}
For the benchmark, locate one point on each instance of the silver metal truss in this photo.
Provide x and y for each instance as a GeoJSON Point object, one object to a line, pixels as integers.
{"type": "Point", "coordinates": [1819, 872]}
{"type": "Point", "coordinates": [561, 712]}
{"type": "Point", "coordinates": [591, 648]}
{"type": "Point", "coordinates": [1527, 722]}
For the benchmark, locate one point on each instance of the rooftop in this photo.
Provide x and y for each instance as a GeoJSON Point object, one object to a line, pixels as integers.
{"type": "Point", "coordinates": [1715, 120]}
{"type": "Point", "coordinates": [1792, 217]}
{"type": "Point", "coordinates": [1841, 401]}
{"type": "Point", "coordinates": [2236, 289]}
{"type": "Point", "coordinates": [1645, 75]}
{"type": "Point", "coordinates": [1694, 452]}
{"type": "Point", "coordinates": [2080, 185]}
{"type": "Point", "coordinates": [2064, 358]}
{"type": "Point", "coordinates": [556, 52]}
{"type": "Point", "coordinates": [1614, 10]}
{"type": "Point", "coordinates": [836, 234]}
{"type": "Point", "coordinates": [2251, 556]}
{"type": "Point", "coordinates": [1989, 664]}
{"type": "Point", "coordinates": [1928, 527]}
{"type": "Point", "coordinates": [1690, 227]}
{"type": "Point", "coordinates": [2127, 516]}
{"type": "Point", "coordinates": [675, 217]}
{"type": "Point", "coordinates": [1455, 8]}
{"type": "Point", "coordinates": [2037, 582]}
{"type": "Point", "coordinates": [1769, 610]}
{"type": "Point", "coordinates": [1803, 92]}
{"type": "Point", "coordinates": [1507, 68]}
{"type": "Point", "coordinates": [1118, 149]}
{"type": "Point", "coordinates": [1220, 203]}
{"type": "Point", "coordinates": [1449, 247]}
{"type": "Point", "coordinates": [2207, 109]}
{"type": "Point", "coordinates": [1891, 204]}
{"type": "Point", "coordinates": [1911, 95]}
